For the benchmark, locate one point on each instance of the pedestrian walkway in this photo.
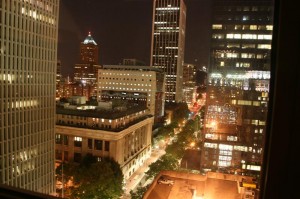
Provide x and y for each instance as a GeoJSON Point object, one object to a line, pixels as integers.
{"type": "Point", "coordinates": [138, 175]}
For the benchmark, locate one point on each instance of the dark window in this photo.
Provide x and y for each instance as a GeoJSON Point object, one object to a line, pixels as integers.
{"type": "Point", "coordinates": [90, 143]}
{"type": "Point", "coordinates": [66, 156]}
{"type": "Point", "coordinates": [58, 155]}
{"type": "Point", "coordinates": [66, 139]}
{"type": "Point", "coordinates": [106, 146]}
{"type": "Point", "coordinates": [77, 157]}
{"type": "Point", "coordinates": [77, 141]}
{"type": "Point", "coordinates": [98, 145]}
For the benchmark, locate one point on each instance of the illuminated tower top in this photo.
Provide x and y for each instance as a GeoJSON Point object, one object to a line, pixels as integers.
{"type": "Point", "coordinates": [89, 40]}
{"type": "Point", "coordinates": [89, 50]}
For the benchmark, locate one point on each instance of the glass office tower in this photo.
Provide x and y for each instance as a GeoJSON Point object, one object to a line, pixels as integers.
{"type": "Point", "coordinates": [168, 42]}
{"type": "Point", "coordinates": [28, 59]}
{"type": "Point", "coordinates": [238, 86]}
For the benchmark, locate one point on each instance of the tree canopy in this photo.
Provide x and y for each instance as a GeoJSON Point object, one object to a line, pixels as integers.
{"type": "Point", "coordinates": [95, 179]}
{"type": "Point", "coordinates": [166, 162]}
{"type": "Point", "coordinates": [139, 193]}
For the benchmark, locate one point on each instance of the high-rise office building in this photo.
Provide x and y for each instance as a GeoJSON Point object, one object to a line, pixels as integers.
{"type": "Point", "coordinates": [238, 86]}
{"type": "Point", "coordinates": [86, 70]}
{"type": "Point", "coordinates": [28, 59]}
{"type": "Point", "coordinates": [58, 80]}
{"type": "Point", "coordinates": [189, 83]}
{"type": "Point", "coordinates": [168, 42]}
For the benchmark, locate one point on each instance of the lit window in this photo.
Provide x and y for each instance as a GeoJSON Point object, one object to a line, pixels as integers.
{"type": "Point", "coordinates": [264, 46]}
{"type": "Point", "coordinates": [217, 26]}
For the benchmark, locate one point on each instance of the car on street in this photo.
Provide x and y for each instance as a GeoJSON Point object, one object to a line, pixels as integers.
{"type": "Point", "coordinates": [165, 180]}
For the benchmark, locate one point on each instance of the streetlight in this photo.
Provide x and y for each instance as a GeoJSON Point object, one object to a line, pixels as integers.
{"type": "Point", "coordinates": [192, 144]}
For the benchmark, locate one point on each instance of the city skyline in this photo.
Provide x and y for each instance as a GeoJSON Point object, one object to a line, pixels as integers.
{"type": "Point", "coordinates": [257, 98]}
{"type": "Point", "coordinates": [122, 29]}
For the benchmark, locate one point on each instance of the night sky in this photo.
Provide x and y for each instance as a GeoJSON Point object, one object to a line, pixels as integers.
{"type": "Point", "coordinates": [122, 29]}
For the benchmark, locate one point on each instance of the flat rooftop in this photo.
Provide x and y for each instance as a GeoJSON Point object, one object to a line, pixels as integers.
{"type": "Point", "coordinates": [100, 113]}
{"type": "Point", "coordinates": [132, 68]}
{"type": "Point", "coordinates": [196, 186]}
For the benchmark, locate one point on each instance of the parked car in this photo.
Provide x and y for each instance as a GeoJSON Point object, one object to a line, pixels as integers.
{"type": "Point", "coordinates": [165, 180]}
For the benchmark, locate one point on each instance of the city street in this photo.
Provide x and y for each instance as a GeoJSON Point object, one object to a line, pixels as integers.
{"type": "Point", "coordinates": [138, 176]}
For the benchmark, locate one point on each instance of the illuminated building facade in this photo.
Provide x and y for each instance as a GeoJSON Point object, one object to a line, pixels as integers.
{"type": "Point", "coordinates": [168, 43]}
{"type": "Point", "coordinates": [58, 80]}
{"type": "Point", "coordinates": [28, 62]}
{"type": "Point", "coordinates": [86, 70]}
{"type": "Point", "coordinates": [241, 35]}
{"type": "Point", "coordinates": [238, 86]}
{"type": "Point", "coordinates": [124, 135]}
{"type": "Point", "coordinates": [142, 85]}
{"type": "Point", "coordinates": [189, 83]}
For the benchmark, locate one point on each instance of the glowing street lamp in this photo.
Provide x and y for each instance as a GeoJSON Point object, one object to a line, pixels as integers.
{"type": "Point", "coordinates": [192, 144]}
{"type": "Point", "coordinates": [213, 123]}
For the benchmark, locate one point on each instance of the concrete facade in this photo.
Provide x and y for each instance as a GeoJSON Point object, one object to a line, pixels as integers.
{"type": "Point", "coordinates": [125, 137]}
{"type": "Point", "coordinates": [136, 84]}
{"type": "Point", "coordinates": [28, 62]}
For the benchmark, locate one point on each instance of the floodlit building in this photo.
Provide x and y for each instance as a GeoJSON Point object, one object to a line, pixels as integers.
{"type": "Point", "coordinates": [122, 133]}
{"type": "Point", "coordinates": [238, 86]}
{"type": "Point", "coordinates": [85, 72]}
{"type": "Point", "coordinates": [189, 83]}
{"type": "Point", "coordinates": [89, 56]}
{"type": "Point", "coordinates": [195, 186]}
{"type": "Point", "coordinates": [58, 80]}
{"type": "Point", "coordinates": [28, 64]}
{"type": "Point", "coordinates": [137, 84]}
{"type": "Point", "coordinates": [168, 43]}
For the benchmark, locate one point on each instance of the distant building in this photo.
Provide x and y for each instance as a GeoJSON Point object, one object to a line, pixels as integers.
{"type": "Point", "coordinates": [28, 61]}
{"type": "Point", "coordinates": [85, 72]}
{"type": "Point", "coordinates": [238, 86]}
{"type": "Point", "coordinates": [168, 43]}
{"type": "Point", "coordinates": [123, 134]}
{"type": "Point", "coordinates": [136, 84]}
{"type": "Point", "coordinates": [58, 72]}
{"type": "Point", "coordinates": [58, 79]}
{"type": "Point", "coordinates": [133, 62]}
{"type": "Point", "coordinates": [89, 51]}
{"type": "Point", "coordinates": [69, 89]}
{"type": "Point", "coordinates": [189, 83]}
{"type": "Point", "coordinates": [65, 88]}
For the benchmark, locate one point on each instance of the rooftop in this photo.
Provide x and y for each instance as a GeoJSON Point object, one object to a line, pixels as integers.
{"type": "Point", "coordinates": [131, 68]}
{"type": "Point", "coordinates": [89, 40]}
{"type": "Point", "coordinates": [100, 113]}
{"type": "Point", "coordinates": [190, 186]}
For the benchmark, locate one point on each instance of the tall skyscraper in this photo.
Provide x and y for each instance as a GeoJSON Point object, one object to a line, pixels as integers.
{"type": "Point", "coordinates": [86, 70]}
{"type": "Point", "coordinates": [238, 86]}
{"type": "Point", "coordinates": [189, 83]}
{"type": "Point", "coordinates": [28, 59]}
{"type": "Point", "coordinates": [168, 42]}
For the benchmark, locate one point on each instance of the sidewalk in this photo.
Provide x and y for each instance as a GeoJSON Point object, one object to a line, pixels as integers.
{"type": "Point", "coordinates": [138, 175]}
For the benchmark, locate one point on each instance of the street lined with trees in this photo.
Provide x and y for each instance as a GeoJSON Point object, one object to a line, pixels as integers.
{"type": "Point", "coordinates": [188, 137]}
